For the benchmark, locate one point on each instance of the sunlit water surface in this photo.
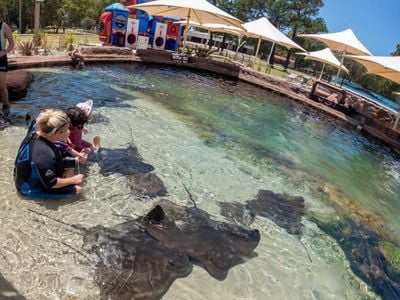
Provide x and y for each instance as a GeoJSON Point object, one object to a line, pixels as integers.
{"type": "Point", "coordinates": [224, 140]}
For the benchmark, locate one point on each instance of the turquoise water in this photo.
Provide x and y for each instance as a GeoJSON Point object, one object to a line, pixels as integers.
{"type": "Point", "coordinates": [224, 140]}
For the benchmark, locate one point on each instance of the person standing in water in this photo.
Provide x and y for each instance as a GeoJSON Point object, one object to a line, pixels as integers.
{"type": "Point", "coordinates": [5, 36]}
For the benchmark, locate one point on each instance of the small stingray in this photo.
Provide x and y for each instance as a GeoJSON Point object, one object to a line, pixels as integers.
{"type": "Point", "coordinates": [286, 211]}
{"type": "Point", "coordinates": [361, 247]}
{"type": "Point", "coordinates": [147, 184]}
{"type": "Point", "coordinates": [237, 212]}
{"type": "Point", "coordinates": [125, 161]}
{"type": "Point", "coordinates": [216, 246]}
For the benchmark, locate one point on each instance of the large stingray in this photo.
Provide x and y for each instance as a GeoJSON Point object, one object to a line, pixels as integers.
{"type": "Point", "coordinates": [286, 211]}
{"type": "Point", "coordinates": [140, 259]}
{"type": "Point", "coordinates": [216, 246]}
{"type": "Point", "coordinates": [131, 264]}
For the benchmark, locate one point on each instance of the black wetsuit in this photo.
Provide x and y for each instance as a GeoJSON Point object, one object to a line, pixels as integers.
{"type": "Point", "coordinates": [38, 164]}
{"type": "Point", "coordinates": [3, 59]}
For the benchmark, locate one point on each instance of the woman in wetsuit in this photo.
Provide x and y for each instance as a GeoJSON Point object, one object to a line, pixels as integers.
{"type": "Point", "coordinates": [40, 165]}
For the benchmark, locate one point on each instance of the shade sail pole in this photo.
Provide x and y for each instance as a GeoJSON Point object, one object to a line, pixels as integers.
{"type": "Point", "coordinates": [341, 64]}
{"type": "Point", "coordinates": [238, 45]}
{"type": "Point", "coordinates": [258, 48]}
{"type": "Point", "coordinates": [322, 71]}
{"type": "Point", "coordinates": [186, 29]}
{"type": "Point", "coordinates": [270, 52]}
{"type": "Point", "coordinates": [340, 68]}
{"type": "Point", "coordinates": [208, 37]}
{"type": "Point", "coordinates": [397, 121]}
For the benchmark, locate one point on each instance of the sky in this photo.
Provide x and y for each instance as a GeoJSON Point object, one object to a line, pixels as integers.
{"type": "Point", "coordinates": [376, 23]}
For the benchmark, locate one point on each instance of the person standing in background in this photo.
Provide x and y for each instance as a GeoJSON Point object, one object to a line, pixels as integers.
{"type": "Point", "coordinates": [5, 36]}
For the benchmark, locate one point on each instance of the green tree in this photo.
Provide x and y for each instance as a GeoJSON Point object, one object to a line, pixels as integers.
{"type": "Point", "coordinates": [302, 15]}
{"type": "Point", "coordinates": [397, 51]}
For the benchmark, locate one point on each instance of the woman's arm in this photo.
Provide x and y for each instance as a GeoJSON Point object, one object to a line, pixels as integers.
{"type": "Point", "coordinates": [9, 37]}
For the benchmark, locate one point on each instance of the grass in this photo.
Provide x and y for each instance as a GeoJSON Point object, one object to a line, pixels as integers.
{"type": "Point", "coordinates": [58, 43]}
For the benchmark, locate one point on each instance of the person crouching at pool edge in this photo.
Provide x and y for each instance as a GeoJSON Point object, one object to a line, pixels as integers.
{"type": "Point", "coordinates": [40, 165]}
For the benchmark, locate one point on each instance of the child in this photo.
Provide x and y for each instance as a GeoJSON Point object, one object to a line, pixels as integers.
{"type": "Point", "coordinates": [79, 116]}
{"type": "Point", "coordinates": [76, 56]}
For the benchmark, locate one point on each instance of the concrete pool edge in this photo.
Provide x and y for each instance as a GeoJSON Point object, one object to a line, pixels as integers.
{"type": "Point", "coordinates": [241, 72]}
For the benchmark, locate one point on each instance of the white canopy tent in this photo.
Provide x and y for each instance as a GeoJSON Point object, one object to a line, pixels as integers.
{"type": "Point", "coordinates": [264, 30]}
{"type": "Point", "coordinates": [200, 11]}
{"type": "Point", "coordinates": [326, 57]}
{"type": "Point", "coordinates": [343, 41]}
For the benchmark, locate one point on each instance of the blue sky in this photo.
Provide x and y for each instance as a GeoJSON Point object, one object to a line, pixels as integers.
{"type": "Point", "coordinates": [376, 23]}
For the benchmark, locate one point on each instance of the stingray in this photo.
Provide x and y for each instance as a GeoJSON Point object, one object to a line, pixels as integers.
{"type": "Point", "coordinates": [131, 264]}
{"type": "Point", "coordinates": [361, 247]}
{"type": "Point", "coordinates": [237, 212]}
{"type": "Point", "coordinates": [147, 184]}
{"type": "Point", "coordinates": [215, 246]}
{"type": "Point", "coordinates": [286, 211]}
{"type": "Point", "coordinates": [125, 161]}
{"type": "Point", "coordinates": [141, 258]}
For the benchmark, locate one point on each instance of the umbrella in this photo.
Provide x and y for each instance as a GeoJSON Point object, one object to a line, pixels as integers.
{"type": "Point", "coordinates": [116, 6]}
{"type": "Point", "coordinates": [264, 30]}
{"type": "Point", "coordinates": [199, 11]}
{"type": "Point", "coordinates": [343, 41]}
{"type": "Point", "coordinates": [326, 56]}
{"type": "Point", "coordinates": [384, 66]}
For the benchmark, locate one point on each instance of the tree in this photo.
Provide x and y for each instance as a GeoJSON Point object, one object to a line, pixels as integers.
{"type": "Point", "coordinates": [302, 15]}
{"type": "Point", "coordinates": [397, 51]}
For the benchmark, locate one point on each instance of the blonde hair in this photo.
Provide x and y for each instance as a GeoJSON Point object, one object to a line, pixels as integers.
{"type": "Point", "coordinates": [51, 121]}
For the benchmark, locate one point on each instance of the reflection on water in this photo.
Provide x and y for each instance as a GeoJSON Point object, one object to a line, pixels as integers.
{"type": "Point", "coordinates": [222, 141]}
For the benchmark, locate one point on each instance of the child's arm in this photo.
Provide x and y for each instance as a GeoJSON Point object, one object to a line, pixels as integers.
{"type": "Point", "coordinates": [82, 156]}
{"type": "Point", "coordinates": [86, 144]}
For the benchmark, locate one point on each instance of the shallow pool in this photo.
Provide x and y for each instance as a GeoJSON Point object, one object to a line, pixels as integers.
{"type": "Point", "coordinates": [224, 141]}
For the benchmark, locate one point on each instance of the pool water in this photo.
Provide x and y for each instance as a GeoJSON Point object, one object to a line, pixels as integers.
{"type": "Point", "coordinates": [221, 139]}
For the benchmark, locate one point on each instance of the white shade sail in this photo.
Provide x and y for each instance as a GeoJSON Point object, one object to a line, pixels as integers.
{"type": "Point", "coordinates": [217, 27]}
{"type": "Point", "coordinates": [326, 56]}
{"type": "Point", "coordinates": [199, 11]}
{"type": "Point", "coordinates": [263, 29]}
{"type": "Point", "coordinates": [344, 41]}
{"type": "Point", "coordinates": [385, 66]}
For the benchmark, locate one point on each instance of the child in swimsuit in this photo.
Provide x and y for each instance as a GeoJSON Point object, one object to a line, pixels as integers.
{"type": "Point", "coordinates": [79, 116]}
